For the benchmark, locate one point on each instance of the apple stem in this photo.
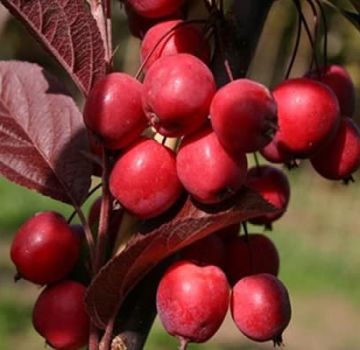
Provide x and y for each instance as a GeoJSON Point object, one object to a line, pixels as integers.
{"type": "Point", "coordinates": [296, 47]}
{"type": "Point", "coordinates": [325, 25]}
{"type": "Point", "coordinates": [183, 343]}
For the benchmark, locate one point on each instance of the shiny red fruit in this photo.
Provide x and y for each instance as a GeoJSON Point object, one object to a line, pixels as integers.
{"type": "Point", "coordinates": [192, 301]}
{"type": "Point", "coordinates": [339, 80]}
{"type": "Point", "coordinates": [173, 37]}
{"type": "Point", "coordinates": [155, 8]}
{"type": "Point", "coordinates": [250, 255]}
{"type": "Point", "coordinates": [341, 156]}
{"type": "Point", "coordinates": [139, 25]}
{"type": "Point", "coordinates": [177, 93]}
{"type": "Point", "coordinates": [272, 184]}
{"type": "Point", "coordinates": [45, 249]}
{"type": "Point", "coordinates": [207, 171]}
{"type": "Point", "coordinates": [144, 179]}
{"type": "Point", "coordinates": [243, 116]}
{"type": "Point", "coordinates": [308, 115]}
{"type": "Point", "coordinates": [113, 110]}
{"type": "Point", "coordinates": [206, 251]}
{"type": "Point", "coordinates": [273, 153]}
{"type": "Point", "coordinates": [260, 307]}
{"type": "Point", "coordinates": [59, 316]}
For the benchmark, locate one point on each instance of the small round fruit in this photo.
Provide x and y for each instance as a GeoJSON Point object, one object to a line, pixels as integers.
{"type": "Point", "coordinates": [250, 255]}
{"type": "Point", "coordinates": [113, 110]}
{"type": "Point", "coordinates": [207, 171]}
{"type": "Point", "coordinates": [341, 156]}
{"type": "Point", "coordinates": [308, 115]}
{"type": "Point", "coordinates": [243, 116]}
{"type": "Point", "coordinates": [45, 248]}
{"type": "Point", "coordinates": [155, 8]}
{"type": "Point", "coordinates": [272, 184]}
{"type": "Point", "coordinates": [339, 80]}
{"type": "Point", "coordinates": [177, 94]}
{"type": "Point", "coordinates": [60, 317]}
{"type": "Point", "coordinates": [273, 153]}
{"type": "Point", "coordinates": [173, 37]}
{"type": "Point", "coordinates": [144, 179]}
{"type": "Point", "coordinates": [229, 232]}
{"type": "Point", "coordinates": [206, 251]}
{"type": "Point", "coordinates": [192, 301]}
{"type": "Point", "coordinates": [260, 307]}
{"type": "Point", "coordinates": [139, 25]}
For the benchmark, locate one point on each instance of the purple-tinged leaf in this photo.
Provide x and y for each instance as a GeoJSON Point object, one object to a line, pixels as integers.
{"type": "Point", "coordinates": [189, 223]}
{"type": "Point", "coordinates": [42, 135]}
{"type": "Point", "coordinates": [68, 31]}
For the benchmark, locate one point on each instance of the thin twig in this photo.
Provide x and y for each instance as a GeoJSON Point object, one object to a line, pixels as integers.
{"type": "Point", "coordinates": [325, 28]}
{"type": "Point", "coordinates": [296, 48]}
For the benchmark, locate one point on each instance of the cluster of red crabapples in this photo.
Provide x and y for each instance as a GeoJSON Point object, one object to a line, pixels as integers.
{"type": "Point", "coordinates": [45, 251]}
{"type": "Point", "coordinates": [215, 129]}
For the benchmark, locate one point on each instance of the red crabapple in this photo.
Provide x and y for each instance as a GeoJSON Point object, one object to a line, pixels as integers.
{"type": "Point", "coordinates": [59, 315]}
{"type": "Point", "coordinates": [272, 184]}
{"type": "Point", "coordinates": [206, 251]}
{"type": "Point", "coordinates": [113, 110]}
{"type": "Point", "coordinates": [250, 255]}
{"type": "Point", "coordinates": [273, 153]}
{"type": "Point", "coordinates": [308, 115]}
{"type": "Point", "coordinates": [144, 179]}
{"type": "Point", "coordinates": [192, 301]}
{"type": "Point", "coordinates": [185, 38]}
{"type": "Point", "coordinates": [229, 232]}
{"type": "Point", "coordinates": [177, 93]}
{"type": "Point", "coordinates": [339, 80]}
{"type": "Point", "coordinates": [207, 171]}
{"type": "Point", "coordinates": [260, 307]}
{"type": "Point", "coordinates": [341, 156]}
{"type": "Point", "coordinates": [155, 8]}
{"type": "Point", "coordinates": [45, 248]}
{"type": "Point", "coordinates": [139, 25]}
{"type": "Point", "coordinates": [243, 116]}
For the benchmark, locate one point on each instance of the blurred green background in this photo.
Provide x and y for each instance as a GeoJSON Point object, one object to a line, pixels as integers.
{"type": "Point", "coordinates": [318, 238]}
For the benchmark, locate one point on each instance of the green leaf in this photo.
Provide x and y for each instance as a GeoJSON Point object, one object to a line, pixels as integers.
{"type": "Point", "coordinates": [353, 17]}
{"type": "Point", "coordinates": [356, 4]}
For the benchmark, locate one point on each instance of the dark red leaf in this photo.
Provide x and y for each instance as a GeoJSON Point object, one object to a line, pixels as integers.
{"type": "Point", "coordinates": [42, 134]}
{"type": "Point", "coordinates": [69, 32]}
{"type": "Point", "coordinates": [144, 251]}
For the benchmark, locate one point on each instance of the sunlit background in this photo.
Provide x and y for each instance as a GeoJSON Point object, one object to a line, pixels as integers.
{"type": "Point", "coordinates": [318, 238]}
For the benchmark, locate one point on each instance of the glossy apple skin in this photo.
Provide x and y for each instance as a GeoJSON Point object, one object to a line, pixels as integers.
{"type": "Point", "coordinates": [208, 172]}
{"type": "Point", "coordinates": [192, 301]}
{"type": "Point", "coordinates": [45, 248]}
{"type": "Point", "coordinates": [340, 82]}
{"type": "Point", "coordinates": [308, 115]}
{"type": "Point", "coordinates": [144, 179]}
{"type": "Point", "coordinates": [273, 153]}
{"type": "Point", "coordinates": [250, 255]}
{"type": "Point", "coordinates": [260, 307]}
{"type": "Point", "coordinates": [243, 116]}
{"type": "Point", "coordinates": [139, 25]}
{"type": "Point", "coordinates": [341, 156]}
{"type": "Point", "coordinates": [113, 110]}
{"type": "Point", "coordinates": [59, 315]}
{"type": "Point", "coordinates": [177, 94]}
{"type": "Point", "coordinates": [171, 38]}
{"type": "Point", "coordinates": [272, 184]}
{"type": "Point", "coordinates": [155, 8]}
{"type": "Point", "coordinates": [206, 251]}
